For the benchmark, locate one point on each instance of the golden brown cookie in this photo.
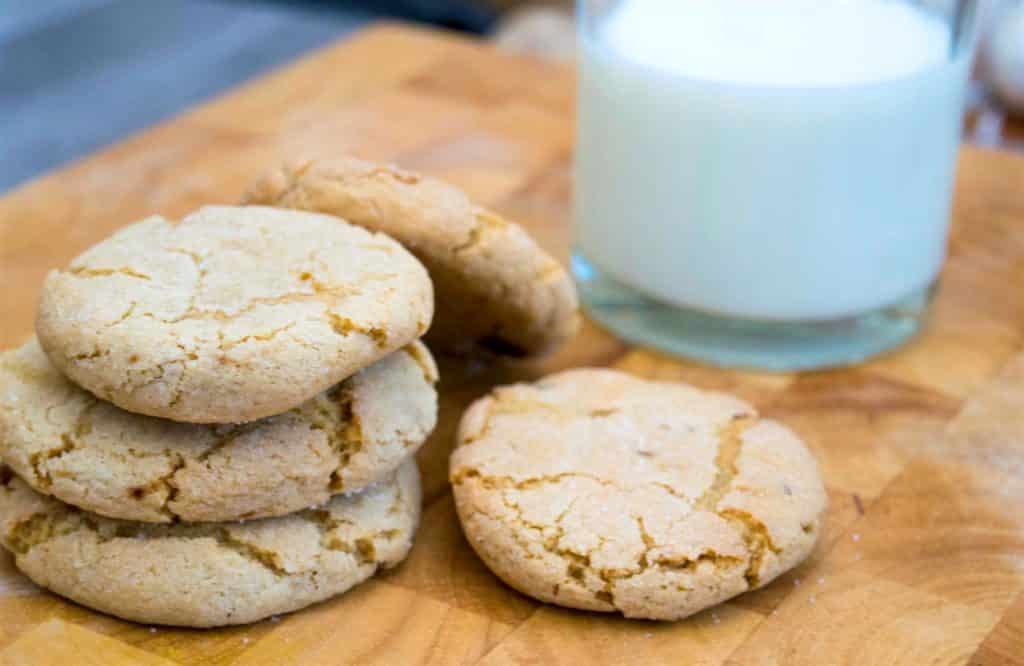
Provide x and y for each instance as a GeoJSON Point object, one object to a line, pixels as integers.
{"type": "Point", "coordinates": [597, 490]}
{"type": "Point", "coordinates": [497, 290]}
{"type": "Point", "coordinates": [207, 575]}
{"type": "Point", "coordinates": [232, 314]}
{"type": "Point", "coordinates": [64, 442]}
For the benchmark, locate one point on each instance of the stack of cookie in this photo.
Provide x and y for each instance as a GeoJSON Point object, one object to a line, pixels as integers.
{"type": "Point", "coordinates": [218, 419]}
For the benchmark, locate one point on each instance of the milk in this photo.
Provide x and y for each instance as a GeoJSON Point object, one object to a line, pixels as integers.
{"type": "Point", "coordinates": [784, 160]}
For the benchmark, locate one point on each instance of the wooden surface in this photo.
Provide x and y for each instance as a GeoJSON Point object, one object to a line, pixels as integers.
{"type": "Point", "coordinates": [922, 558]}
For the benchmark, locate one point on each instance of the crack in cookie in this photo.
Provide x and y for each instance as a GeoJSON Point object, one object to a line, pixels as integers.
{"type": "Point", "coordinates": [345, 327]}
{"type": "Point", "coordinates": [758, 541]}
{"type": "Point", "coordinates": [730, 442]}
{"type": "Point", "coordinates": [90, 272]}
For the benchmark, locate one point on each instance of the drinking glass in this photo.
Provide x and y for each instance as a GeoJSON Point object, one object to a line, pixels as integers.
{"type": "Point", "coordinates": [767, 183]}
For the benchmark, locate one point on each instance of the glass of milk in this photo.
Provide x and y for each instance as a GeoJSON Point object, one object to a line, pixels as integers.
{"type": "Point", "coordinates": [767, 183]}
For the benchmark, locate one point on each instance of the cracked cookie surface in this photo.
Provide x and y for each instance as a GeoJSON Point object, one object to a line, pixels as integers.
{"type": "Point", "coordinates": [232, 314]}
{"type": "Point", "coordinates": [64, 442]}
{"type": "Point", "coordinates": [209, 575]}
{"type": "Point", "coordinates": [497, 290]}
{"type": "Point", "coordinates": [597, 490]}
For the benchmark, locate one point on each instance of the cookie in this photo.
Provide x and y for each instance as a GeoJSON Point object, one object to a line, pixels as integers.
{"type": "Point", "coordinates": [207, 575]}
{"type": "Point", "coordinates": [596, 490]}
{"type": "Point", "coordinates": [64, 442]}
{"type": "Point", "coordinates": [497, 290]}
{"type": "Point", "coordinates": [232, 314]}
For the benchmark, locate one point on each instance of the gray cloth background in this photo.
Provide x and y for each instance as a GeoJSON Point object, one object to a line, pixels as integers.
{"type": "Point", "coordinates": [76, 75]}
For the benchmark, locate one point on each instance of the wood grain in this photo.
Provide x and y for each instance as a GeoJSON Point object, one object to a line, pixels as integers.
{"type": "Point", "coordinates": [922, 556]}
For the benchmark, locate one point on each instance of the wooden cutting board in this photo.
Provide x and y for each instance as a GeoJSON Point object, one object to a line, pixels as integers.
{"type": "Point", "coordinates": [922, 558]}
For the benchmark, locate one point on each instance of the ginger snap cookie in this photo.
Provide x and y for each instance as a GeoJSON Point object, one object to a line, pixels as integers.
{"type": "Point", "coordinates": [596, 490]}
{"type": "Point", "coordinates": [66, 443]}
{"type": "Point", "coordinates": [497, 290]}
{"type": "Point", "coordinates": [231, 314]}
{"type": "Point", "coordinates": [207, 575]}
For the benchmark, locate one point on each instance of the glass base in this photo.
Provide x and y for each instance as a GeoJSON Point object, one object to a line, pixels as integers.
{"type": "Point", "coordinates": [743, 343]}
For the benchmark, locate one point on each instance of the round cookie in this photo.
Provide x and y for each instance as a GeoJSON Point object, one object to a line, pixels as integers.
{"type": "Point", "coordinates": [232, 314]}
{"type": "Point", "coordinates": [597, 490]}
{"type": "Point", "coordinates": [497, 290]}
{"type": "Point", "coordinates": [64, 442]}
{"type": "Point", "coordinates": [209, 575]}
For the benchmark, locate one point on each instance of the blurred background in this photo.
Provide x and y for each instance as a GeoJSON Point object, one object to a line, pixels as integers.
{"type": "Point", "coordinates": [78, 74]}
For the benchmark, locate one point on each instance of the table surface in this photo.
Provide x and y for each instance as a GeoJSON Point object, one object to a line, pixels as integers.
{"type": "Point", "coordinates": [922, 557]}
